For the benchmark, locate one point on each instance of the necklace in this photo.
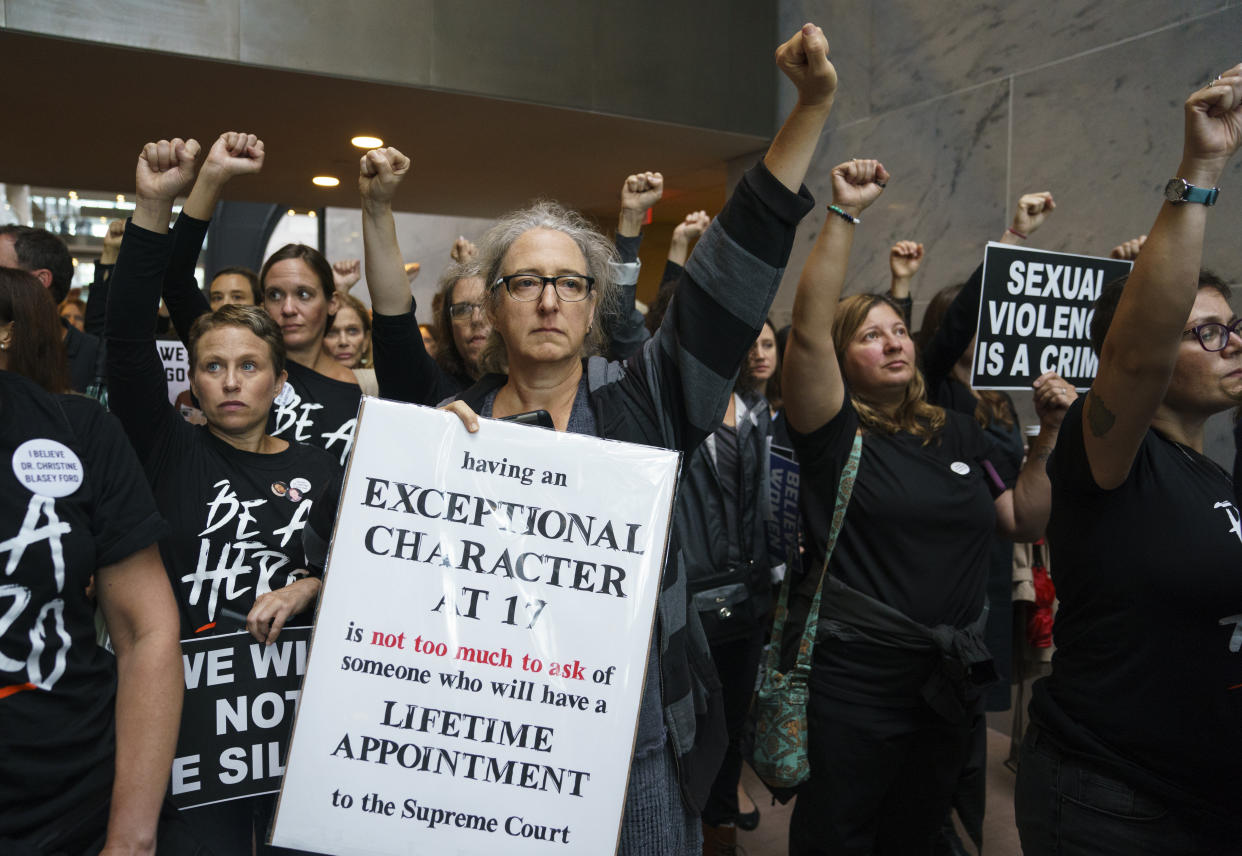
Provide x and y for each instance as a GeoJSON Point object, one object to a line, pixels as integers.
{"type": "Point", "coordinates": [1199, 461]}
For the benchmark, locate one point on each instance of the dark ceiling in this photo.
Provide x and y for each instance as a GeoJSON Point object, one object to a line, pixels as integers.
{"type": "Point", "coordinates": [77, 113]}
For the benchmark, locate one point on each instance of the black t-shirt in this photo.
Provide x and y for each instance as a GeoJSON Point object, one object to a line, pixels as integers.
{"type": "Point", "coordinates": [236, 518]}
{"type": "Point", "coordinates": [316, 409]}
{"type": "Point", "coordinates": [1147, 675]}
{"type": "Point", "coordinates": [916, 536]}
{"type": "Point", "coordinates": [56, 706]}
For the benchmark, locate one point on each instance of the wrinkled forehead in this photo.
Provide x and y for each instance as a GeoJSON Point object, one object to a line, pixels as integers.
{"type": "Point", "coordinates": [545, 251]}
{"type": "Point", "coordinates": [1210, 305]}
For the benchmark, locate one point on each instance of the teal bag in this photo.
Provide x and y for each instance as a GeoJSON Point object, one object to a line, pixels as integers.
{"type": "Point", "coordinates": [779, 755]}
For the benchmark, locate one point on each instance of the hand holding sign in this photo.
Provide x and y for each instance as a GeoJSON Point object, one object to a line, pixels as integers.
{"type": "Point", "coordinates": [858, 183]}
{"type": "Point", "coordinates": [1053, 396]}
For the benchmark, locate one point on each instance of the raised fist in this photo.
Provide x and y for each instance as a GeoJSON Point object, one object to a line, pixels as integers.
{"type": "Point", "coordinates": [165, 169]}
{"type": "Point", "coordinates": [380, 172]}
{"type": "Point", "coordinates": [1213, 127]}
{"type": "Point", "coordinates": [346, 273]}
{"type": "Point", "coordinates": [804, 60]}
{"type": "Point", "coordinates": [1033, 209]}
{"type": "Point", "coordinates": [858, 183]}
{"type": "Point", "coordinates": [641, 191]}
{"type": "Point", "coordinates": [463, 250]}
{"type": "Point", "coordinates": [234, 153]}
{"type": "Point", "coordinates": [904, 259]}
{"type": "Point", "coordinates": [112, 242]}
{"type": "Point", "coordinates": [695, 224]}
{"type": "Point", "coordinates": [1128, 251]}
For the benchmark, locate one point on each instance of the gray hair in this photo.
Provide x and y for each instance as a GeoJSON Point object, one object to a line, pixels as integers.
{"type": "Point", "coordinates": [596, 249]}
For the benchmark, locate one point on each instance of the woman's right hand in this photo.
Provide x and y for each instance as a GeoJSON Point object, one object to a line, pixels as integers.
{"type": "Point", "coordinates": [858, 183]}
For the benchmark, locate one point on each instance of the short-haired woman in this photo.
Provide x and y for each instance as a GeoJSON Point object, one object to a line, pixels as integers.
{"type": "Point", "coordinates": [225, 487]}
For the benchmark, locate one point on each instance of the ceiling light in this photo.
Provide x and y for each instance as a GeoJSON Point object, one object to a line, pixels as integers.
{"type": "Point", "coordinates": [310, 213]}
{"type": "Point", "coordinates": [73, 194]}
{"type": "Point", "coordinates": [367, 142]}
{"type": "Point", "coordinates": [292, 212]}
{"type": "Point", "coordinates": [325, 181]}
{"type": "Point", "coordinates": [120, 198]}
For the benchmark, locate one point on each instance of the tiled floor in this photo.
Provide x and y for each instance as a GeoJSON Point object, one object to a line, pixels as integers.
{"type": "Point", "coordinates": [1000, 836]}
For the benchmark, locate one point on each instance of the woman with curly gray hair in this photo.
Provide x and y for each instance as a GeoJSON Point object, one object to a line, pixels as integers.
{"type": "Point", "coordinates": [548, 284]}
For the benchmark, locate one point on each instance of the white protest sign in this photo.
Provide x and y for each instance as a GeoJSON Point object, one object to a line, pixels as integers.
{"type": "Point", "coordinates": [1035, 314]}
{"type": "Point", "coordinates": [481, 641]}
{"type": "Point", "coordinates": [176, 362]}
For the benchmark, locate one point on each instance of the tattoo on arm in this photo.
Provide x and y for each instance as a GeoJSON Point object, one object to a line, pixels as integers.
{"type": "Point", "coordinates": [1099, 417]}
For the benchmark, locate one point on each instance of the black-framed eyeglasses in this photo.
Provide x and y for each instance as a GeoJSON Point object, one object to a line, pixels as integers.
{"type": "Point", "coordinates": [529, 286]}
{"type": "Point", "coordinates": [1214, 336]}
{"type": "Point", "coordinates": [462, 311]}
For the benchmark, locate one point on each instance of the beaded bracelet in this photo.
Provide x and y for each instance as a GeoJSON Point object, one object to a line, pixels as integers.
{"type": "Point", "coordinates": [844, 215]}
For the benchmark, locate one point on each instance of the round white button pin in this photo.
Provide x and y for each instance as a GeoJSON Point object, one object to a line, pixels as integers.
{"type": "Point", "coordinates": [47, 468]}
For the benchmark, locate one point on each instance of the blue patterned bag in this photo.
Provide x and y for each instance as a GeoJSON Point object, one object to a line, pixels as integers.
{"type": "Point", "coordinates": [779, 756]}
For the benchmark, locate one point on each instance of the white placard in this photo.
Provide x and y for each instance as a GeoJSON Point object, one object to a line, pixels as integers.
{"type": "Point", "coordinates": [176, 363]}
{"type": "Point", "coordinates": [481, 641]}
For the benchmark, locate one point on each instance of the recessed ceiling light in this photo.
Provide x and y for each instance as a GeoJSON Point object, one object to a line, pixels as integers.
{"type": "Point", "coordinates": [292, 212]}
{"type": "Point", "coordinates": [310, 213]}
{"type": "Point", "coordinates": [325, 181]}
{"type": "Point", "coordinates": [120, 198]}
{"type": "Point", "coordinates": [367, 142]}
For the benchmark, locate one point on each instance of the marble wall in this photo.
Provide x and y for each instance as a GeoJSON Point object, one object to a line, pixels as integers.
{"type": "Point", "coordinates": [971, 104]}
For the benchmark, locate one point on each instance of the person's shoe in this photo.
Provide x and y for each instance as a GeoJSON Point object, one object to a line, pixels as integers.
{"type": "Point", "coordinates": [749, 821]}
{"type": "Point", "coordinates": [721, 841]}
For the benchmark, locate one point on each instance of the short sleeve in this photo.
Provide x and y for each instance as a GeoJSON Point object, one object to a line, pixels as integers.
{"type": "Point", "coordinates": [124, 518]}
{"type": "Point", "coordinates": [1068, 467]}
{"type": "Point", "coordinates": [822, 453]}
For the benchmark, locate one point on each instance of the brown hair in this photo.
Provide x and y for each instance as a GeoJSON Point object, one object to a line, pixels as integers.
{"type": "Point", "coordinates": [746, 381]}
{"type": "Point", "coordinates": [252, 318]}
{"type": "Point", "coordinates": [993, 407]}
{"type": "Point", "coordinates": [448, 357]}
{"type": "Point", "coordinates": [348, 301]}
{"type": "Point", "coordinates": [914, 415]}
{"type": "Point", "coordinates": [35, 349]}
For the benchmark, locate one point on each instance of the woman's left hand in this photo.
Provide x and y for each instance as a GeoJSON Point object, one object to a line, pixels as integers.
{"type": "Point", "coordinates": [271, 610]}
{"type": "Point", "coordinates": [1053, 396]}
{"type": "Point", "coordinates": [468, 417]}
{"type": "Point", "coordinates": [858, 183]}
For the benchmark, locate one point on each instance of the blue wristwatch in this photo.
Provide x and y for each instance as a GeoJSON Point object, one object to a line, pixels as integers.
{"type": "Point", "coordinates": [1180, 190]}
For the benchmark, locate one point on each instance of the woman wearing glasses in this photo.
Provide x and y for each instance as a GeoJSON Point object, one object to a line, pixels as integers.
{"type": "Point", "coordinates": [319, 403]}
{"type": "Point", "coordinates": [548, 283]}
{"type": "Point", "coordinates": [462, 327]}
{"type": "Point", "coordinates": [1134, 741]}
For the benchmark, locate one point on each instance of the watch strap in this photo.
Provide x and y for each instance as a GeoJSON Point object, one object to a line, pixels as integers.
{"type": "Point", "coordinates": [1202, 195]}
